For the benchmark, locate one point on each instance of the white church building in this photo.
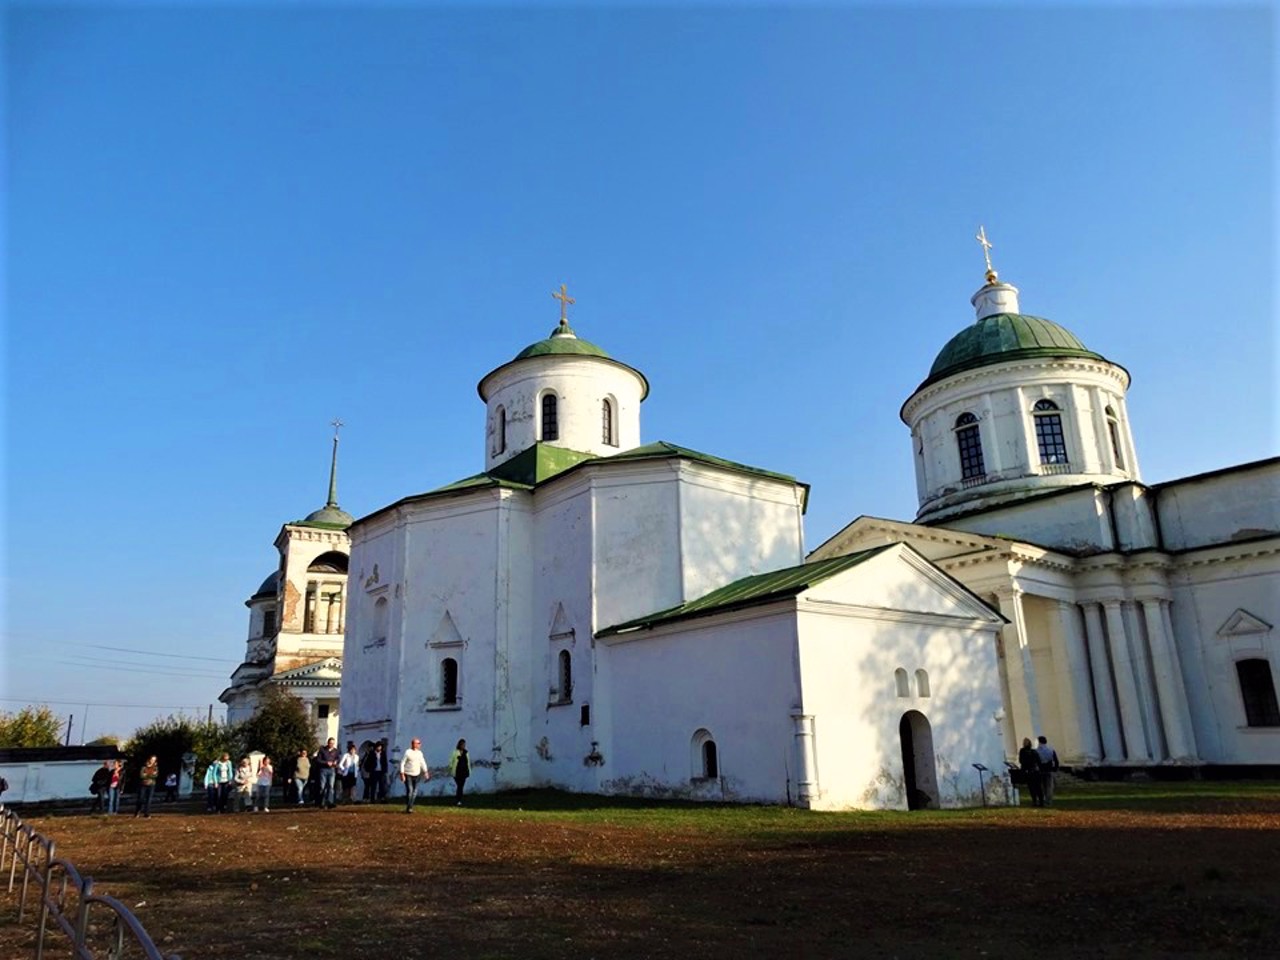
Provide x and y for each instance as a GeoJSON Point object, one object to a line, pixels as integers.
{"type": "Point", "coordinates": [598, 614]}
{"type": "Point", "coordinates": [297, 618]}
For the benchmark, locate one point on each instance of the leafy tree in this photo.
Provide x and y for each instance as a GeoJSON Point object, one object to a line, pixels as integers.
{"type": "Point", "coordinates": [280, 727]}
{"type": "Point", "coordinates": [106, 740]}
{"type": "Point", "coordinates": [170, 738]}
{"type": "Point", "coordinates": [31, 727]}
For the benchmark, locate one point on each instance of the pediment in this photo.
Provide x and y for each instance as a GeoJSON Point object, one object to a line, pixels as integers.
{"type": "Point", "coordinates": [325, 671]}
{"type": "Point", "coordinates": [933, 543]}
{"type": "Point", "coordinates": [446, 633]}
{"type": "Point", "coordinates": [1242, 623]}
{"type": "Point", "coordinates": [561, 628]}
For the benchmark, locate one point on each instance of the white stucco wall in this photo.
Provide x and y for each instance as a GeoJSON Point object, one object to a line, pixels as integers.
{"type": "Point", "coordinates": [1241, 504]}
{"type": "Point", "coordinates": [53, 780]}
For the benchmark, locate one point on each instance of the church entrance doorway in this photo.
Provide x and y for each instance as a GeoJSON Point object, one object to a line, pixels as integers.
{"type": "Point", "coordinates": [919, 774]}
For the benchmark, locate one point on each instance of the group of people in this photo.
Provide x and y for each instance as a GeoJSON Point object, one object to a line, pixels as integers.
{"type": "Point", "coordinates": [325, 777]}
{"type": "Point", "coordinates": [108, 782]}
{"type": "Point", "coordinates": [1038, 762]}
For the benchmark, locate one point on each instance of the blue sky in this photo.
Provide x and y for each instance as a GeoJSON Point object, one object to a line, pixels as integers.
{"type": "Point", "coordinates": [226, 224]}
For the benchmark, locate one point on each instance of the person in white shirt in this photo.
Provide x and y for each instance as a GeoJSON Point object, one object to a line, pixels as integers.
{"type": "Point", "coordinates": [262, 789]}
{"type": "Point", "coordinates": [348, 770]}
{"type": "Point", "coordinates": [413, 770]}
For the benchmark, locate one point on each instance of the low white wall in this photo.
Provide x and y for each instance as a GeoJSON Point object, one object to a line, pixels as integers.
{"type": "Point", "coordinates": [52, 780]}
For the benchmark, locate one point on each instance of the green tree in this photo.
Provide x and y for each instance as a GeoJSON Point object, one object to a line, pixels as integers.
{"type": "Point", "coordinates": [280, 727]}
{"type": "Point", "coordinates": [30, 727]}
{"type": "Point", "coordinates": [168, 739]}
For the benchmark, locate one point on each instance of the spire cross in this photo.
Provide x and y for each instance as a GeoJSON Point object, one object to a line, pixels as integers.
{"type": "Point", "coordinates": [565, 300]}
{"type": "Point", "coordinates": [986, 248]}
{"type": "Point", "coordinates": [333, 466]}
{"type": "Point", "coordinates": [337, 425]}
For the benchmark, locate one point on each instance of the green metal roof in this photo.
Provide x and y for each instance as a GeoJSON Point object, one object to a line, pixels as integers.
{"type": "Point", "coordinates": [539, 463]}
{"type": "Point", "coordinates": [562, 341]}
{"type": "Point", "coordinates": [661, 450]}
{"type": "Point", "coordinates": [328, 518]}
{"type": "Point", "coordinates": [750, 591]}
{"type": "Point", "coordinates": [1005, 336]}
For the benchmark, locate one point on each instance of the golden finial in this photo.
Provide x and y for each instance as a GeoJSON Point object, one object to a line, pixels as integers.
{"type": "Point", "coordinates": [565, 300]}
{"type": "Point", "coordinates": [986, 253]}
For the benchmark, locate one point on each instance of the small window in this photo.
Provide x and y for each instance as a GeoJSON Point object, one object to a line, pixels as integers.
{"type": "Point", "coordinates": [269, 622]}
{"type": "Point", "coordinates": [608, 433]}
{"type": "Point", "coordinates": [322, 711]}
{"type": "Point", "coordinates": [900, 680]}
{"type": "Point", "coordinates": [922, 683]}
{"type": "Point", "coordinates": [1113, 428]}
{"type": "Point", "coordinates": [969, 440]}
{"type": "Point", "coordinates": [449, 681]}
{"type": "Point", "coordinates": [1049, 436]}
{"type": "Point", "coordinates": [565, 676]}
{"type": "Point", "coordinates": [500, 429]}
{"type": "Point", "coordinates": [710, 760]}
{"type": "Point", "coordinates": [1258, 690]}
{"type": "Point", "coordinates": [550, 417]}
{"type": "Point", "coordinates": [584, 715]}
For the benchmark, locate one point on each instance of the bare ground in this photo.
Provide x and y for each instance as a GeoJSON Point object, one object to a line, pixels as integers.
{"type": "Point", "coordinates": [369, 882]}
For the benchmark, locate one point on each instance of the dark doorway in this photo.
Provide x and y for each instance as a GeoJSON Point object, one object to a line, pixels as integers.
{"type": "Point", "coordinates": [918, 773]}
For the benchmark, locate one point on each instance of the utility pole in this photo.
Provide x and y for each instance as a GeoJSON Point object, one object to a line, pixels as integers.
{"type": "Point", "coordinates": [211, 713]}
{"type": "Point", "coordinates": [70, 720]}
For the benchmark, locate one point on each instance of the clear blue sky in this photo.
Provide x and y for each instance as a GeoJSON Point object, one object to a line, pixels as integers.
{"type": "Point", "coordinates": [228, 224]}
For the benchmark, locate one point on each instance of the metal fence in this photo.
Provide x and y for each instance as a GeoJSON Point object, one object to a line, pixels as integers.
{"type": "Point", "coordinates": [66, 899]}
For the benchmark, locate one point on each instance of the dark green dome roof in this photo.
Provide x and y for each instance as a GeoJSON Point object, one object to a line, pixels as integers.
{"type": "Point", "coordinates": [563, 341]}
{"type": "Point", "coordinates": [1002, 337]}
{"type": "Point", "coordinates": [330, 515]}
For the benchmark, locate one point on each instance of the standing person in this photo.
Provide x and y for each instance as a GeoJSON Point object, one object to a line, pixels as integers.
{"type": "Point", "coordinates": [262, 790]}
{"type": "Point", "coordinates": [460, 767]}
{"type": "Point", "coordinates": [146, 787]}
{"type": "Point", "coordinates": [373, 770]}
{"type": "Point", "coordinates": [225, 775]}
{"type": "Point", "coordinates": [171, 788]}
{"type": "Point", "coordinates": [1048, 765]}
{"type": "Point", "coordinates": [99, 785]}
{"type": "Point", "coordinates": [245, 781]}
{"type": "Point", "coordinates": [301, 774]}
{"type": "Point", "coordinates": [349, 769]}
{"type": "Point", "coordinates": [413, 770]}
{"type": "Point", "coordinates": [114, 786]}
{"type": "Point", "coordinates": [211, 788]}
{"type": "Point", "coordinates": [1029, 764]}
{"type": "Point", "coordinates": [327, 756]}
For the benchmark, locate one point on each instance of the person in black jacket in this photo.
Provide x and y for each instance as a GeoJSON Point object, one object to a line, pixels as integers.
{"type": "Point", "coordinates": [373, 770]}
{"type": "Point", "coordinates": [1029, 764]}
{"type": "Point", "coordinates": [99, 785]}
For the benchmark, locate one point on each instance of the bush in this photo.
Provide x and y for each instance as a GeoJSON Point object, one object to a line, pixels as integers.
{"type": "Point", "coordinates": [170, 738]}
{"type": "Point", "coordinates": [30, 727]}
{"type": "Point", "coordinates": [280, 727]}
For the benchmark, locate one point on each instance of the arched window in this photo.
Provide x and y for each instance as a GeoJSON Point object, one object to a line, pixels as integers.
{"type": "Point", "coordinates": [969, 440]}
{"type": "Point", "coordinates": [922, 683]}
{"type": "Point", "coordinates": [565, 676]}
{"type": "Point", "coordinates": [608, 430]}
{"type": "Point", "coordinates": [902, 683]}
{"type": "Point", "coordinates": [1053, 445]}
{"type": "Point", "coordinates": [1113, 428]}
{"type": "Point", "coordinates": [449, 681]}
{"type": "Point", "coordinates": [706, 756]}
{"type": "Point", "coordinates": [550, 417]}
{"type": "Point", "coordinates": [380, 611]}
{"type": "Point", "coordinates": [500, 429]}
{"type": "Point", "coordinates": [1258, 691]}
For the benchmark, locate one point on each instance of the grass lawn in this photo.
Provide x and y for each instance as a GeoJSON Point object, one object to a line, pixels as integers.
{"type": "Point", "coordinates": [1112, 870]}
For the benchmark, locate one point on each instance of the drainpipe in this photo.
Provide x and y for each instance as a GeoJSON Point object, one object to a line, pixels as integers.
{"type": "Point", "coordinates": [807, 775]}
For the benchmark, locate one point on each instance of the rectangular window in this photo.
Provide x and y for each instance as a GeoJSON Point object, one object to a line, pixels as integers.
{"type": "Point", "coordinates": [1258, 690]}
{"type": "Point", "coordinates": [1053, 445]}
{"type": "Point", "coordinates": [268, 623]}
{"type": "Point", "coordinates": [322, 711]}
{"type": "Point", "coordinates": [1115, 444]}
{"type": "Point", "coordinates": [970, 442]}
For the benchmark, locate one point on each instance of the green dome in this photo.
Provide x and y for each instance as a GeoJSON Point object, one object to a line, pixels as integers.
{"type": "Point", "coordinates": [563, 341]}
{"type": "Point", "coordinates": [1002, 337]}
{"type": "Point", "coordinates": [330, 515]}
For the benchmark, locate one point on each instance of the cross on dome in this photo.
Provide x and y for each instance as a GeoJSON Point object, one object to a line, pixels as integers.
{"type": "Point", "coordinates": [986, 252]}
{"type": "Point", "coordinates": [565, 300]}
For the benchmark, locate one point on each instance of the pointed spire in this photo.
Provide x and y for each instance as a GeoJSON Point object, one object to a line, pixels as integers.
{"type": "Point", "coordinates": [333, 467]}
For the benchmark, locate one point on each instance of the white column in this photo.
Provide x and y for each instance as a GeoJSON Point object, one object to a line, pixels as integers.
{"type": "Point", "coordinates": [1102, 436]}
{"type": "Point", "coordinates": [989, 416]}
{"type": "Point", "coordinates": [1088, 746]}
{"type": "Point", "coordinates": [807, 774]}
{"type": "Point", "coordinates": [1024, 714]}
{"type": "Point", "coordinates": [1183, 703]}
{"type": "Point", "coordinates": [1171, 696]}
{"type": "Point", "coordinates": [1135, 740]}
{"type": "Point", "coordinates": [340, 601]}
{"type": "Point", "coordinates": [1025, 422]}
{"type": "Point", "coordinates": [1104, 696]}
{"type": "Point", "coordinates": [1126, 438]}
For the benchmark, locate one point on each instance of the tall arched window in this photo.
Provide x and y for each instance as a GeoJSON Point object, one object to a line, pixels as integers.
{"type": "Point", "coordinates": [565, 676]}
{"type": "Point", "coordinates": [969, 440]}
{"type": "Point", "coordinates": [1258, 691]}
{"type": "Point", "coordinates": [1053, 445]}
{"type": "Point", "coordinates": [381, 609]}
{"type": "Point", "coordinates": [500, 429]}
{"type": "Point", "coordinates": [922, 683]}
{"type": "Point", "coordinates": [1113, 428]}
{"type": "Point", "coordinates": [901, 682]}
{"type": "Point", "coordinates": [449, 681]}
{"type": "Point", "coordinates": [608, 430]}
{"type": "Point", "coordinates": [706, 756]}
{"type": "Point", "coordinates": [550, 417]}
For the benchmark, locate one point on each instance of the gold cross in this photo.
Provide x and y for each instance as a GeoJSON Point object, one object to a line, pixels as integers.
{"type": "Point", "coordinates": [986, 246]}
{"type": "Point", "coordinates": [565, 300]}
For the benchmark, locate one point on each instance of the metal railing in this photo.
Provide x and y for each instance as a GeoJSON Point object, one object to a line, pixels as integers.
{"type": "Point", "coordinates": [66, 898]}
